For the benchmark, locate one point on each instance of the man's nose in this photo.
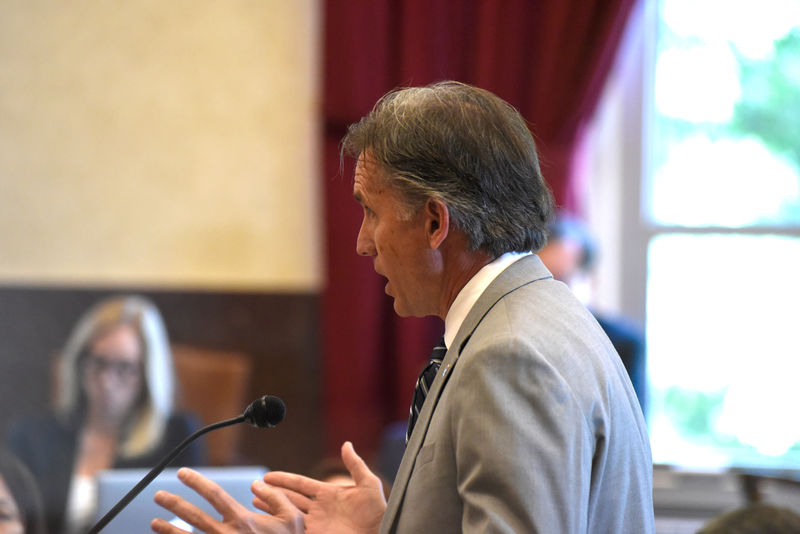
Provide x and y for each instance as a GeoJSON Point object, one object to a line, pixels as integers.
{"type": "Point", "coordinates": [364, 244]}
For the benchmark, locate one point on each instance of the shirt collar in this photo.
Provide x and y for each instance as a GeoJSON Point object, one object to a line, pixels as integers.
{"type": "Point", "coordinates": [473, 289]}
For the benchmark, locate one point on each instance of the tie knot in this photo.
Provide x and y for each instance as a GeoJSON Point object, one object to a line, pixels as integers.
{"type": "Point", "coordinates": [439, 350]}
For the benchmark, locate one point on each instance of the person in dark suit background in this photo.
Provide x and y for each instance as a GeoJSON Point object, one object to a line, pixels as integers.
{"type": "Point", "coordinates": [114, 396]}
{"type": "Point", "coordinates": [570, 254]}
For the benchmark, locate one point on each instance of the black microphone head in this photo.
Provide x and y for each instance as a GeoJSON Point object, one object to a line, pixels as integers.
{"type": "Point", "coordinates": [267, 411]}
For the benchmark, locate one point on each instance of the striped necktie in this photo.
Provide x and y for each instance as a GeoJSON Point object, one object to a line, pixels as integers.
{"type": "Point", "coordinates": [424, 383]}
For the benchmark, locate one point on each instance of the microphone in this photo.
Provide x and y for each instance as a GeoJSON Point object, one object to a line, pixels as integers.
{"type": "Point", "coordinates": [265, 412]}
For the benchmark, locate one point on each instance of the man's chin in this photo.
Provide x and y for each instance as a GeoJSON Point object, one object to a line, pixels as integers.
{"type": "Point", "coordinates": [403, 311]}
{"type": "Point", "coordinates": [399, 310]}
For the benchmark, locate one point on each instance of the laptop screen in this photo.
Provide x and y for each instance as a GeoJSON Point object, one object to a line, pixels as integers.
{"type": "Point", "coordinates": [113, 484]}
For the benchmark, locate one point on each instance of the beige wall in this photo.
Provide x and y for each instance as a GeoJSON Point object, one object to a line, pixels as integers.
{"type": "Point", "coordinates": [160, 143]}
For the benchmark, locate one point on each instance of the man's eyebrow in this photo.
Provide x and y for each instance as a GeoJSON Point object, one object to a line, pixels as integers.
{"type": "Point", "coordinates": [359, 198]}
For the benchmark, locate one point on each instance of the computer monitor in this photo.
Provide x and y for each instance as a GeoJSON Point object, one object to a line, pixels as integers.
{"type": "Point", "coordinates": [113, 484]}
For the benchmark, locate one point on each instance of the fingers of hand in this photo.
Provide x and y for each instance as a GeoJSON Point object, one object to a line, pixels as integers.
{"type": "Point", "coordinates": [293, 483]}
{"type": "Point", "coordinates": [210, 491]}
{"type": "Point", "coordinates": [269, 499]}
{"type": "Point", "coordinates": [281, 500]}
{"type": "Point", "coordinates": [161, 526]}
{"type": "Point", "coordinates": [356, 466]}
{"type": "Point", "coordinates": [276, 501]}
{"type": "Point", "coordinates": [181, 508]}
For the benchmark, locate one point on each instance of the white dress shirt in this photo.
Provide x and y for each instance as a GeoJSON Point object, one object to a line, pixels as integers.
{"type": "Point", "coordinates": [473, 289]}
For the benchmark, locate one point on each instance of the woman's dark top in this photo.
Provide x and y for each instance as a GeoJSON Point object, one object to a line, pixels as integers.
{"type": "Point", "coordinates": [47, 445]}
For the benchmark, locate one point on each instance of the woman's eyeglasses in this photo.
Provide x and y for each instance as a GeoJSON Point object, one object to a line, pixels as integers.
{"type": "Point", "coordinates": [121, 369]}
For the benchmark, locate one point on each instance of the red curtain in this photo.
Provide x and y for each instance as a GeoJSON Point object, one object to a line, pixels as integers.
{"type": "Point", "coordinates": [548, 58]}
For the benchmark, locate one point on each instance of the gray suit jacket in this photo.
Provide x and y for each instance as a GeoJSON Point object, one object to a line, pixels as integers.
{"type": "Point", "coordinates": [531, 425]}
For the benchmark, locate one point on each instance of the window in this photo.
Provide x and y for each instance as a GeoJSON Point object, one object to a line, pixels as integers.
{"type": "Point", "coordinates": [723, 262]}
{"type": "Point", "coordinates": [707, 232]}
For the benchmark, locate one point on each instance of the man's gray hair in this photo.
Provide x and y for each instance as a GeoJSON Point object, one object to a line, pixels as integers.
{"type": "Point", "coordinates": [468, 148]}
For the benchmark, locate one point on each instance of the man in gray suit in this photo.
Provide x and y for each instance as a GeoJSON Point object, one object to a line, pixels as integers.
{"type": "Point", "coordinates": [530, 423]}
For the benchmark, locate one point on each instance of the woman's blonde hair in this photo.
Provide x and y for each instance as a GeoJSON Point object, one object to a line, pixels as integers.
{"type": "Point", "coordinates": [147, 423]}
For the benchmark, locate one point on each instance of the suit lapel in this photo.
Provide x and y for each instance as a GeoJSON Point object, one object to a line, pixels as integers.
{"type": "Point", "coordinates": [417, 437]}
{"type": "Point", "coordinates": [522, 272]}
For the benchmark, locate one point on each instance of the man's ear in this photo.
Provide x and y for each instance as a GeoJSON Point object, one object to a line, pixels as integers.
{"type": "Point", "coordinates": [437, 222]}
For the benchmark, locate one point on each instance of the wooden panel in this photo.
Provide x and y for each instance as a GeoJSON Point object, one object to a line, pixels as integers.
{"type": "Point", "coordinates": [213, 384]}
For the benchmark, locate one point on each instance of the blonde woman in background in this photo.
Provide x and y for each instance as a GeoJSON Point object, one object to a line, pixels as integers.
{"type": "Point", "coordinates": [114, 409]}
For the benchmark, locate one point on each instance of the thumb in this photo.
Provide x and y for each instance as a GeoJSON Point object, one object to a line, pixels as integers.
{"type": "Point", "coordinates": [356, 466]}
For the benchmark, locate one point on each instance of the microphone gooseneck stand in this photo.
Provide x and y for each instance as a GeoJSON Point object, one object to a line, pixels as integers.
{"type": "Point", "coordinates": [266, 411]}
{"type": "Point", "coordinates": [154, 472]}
